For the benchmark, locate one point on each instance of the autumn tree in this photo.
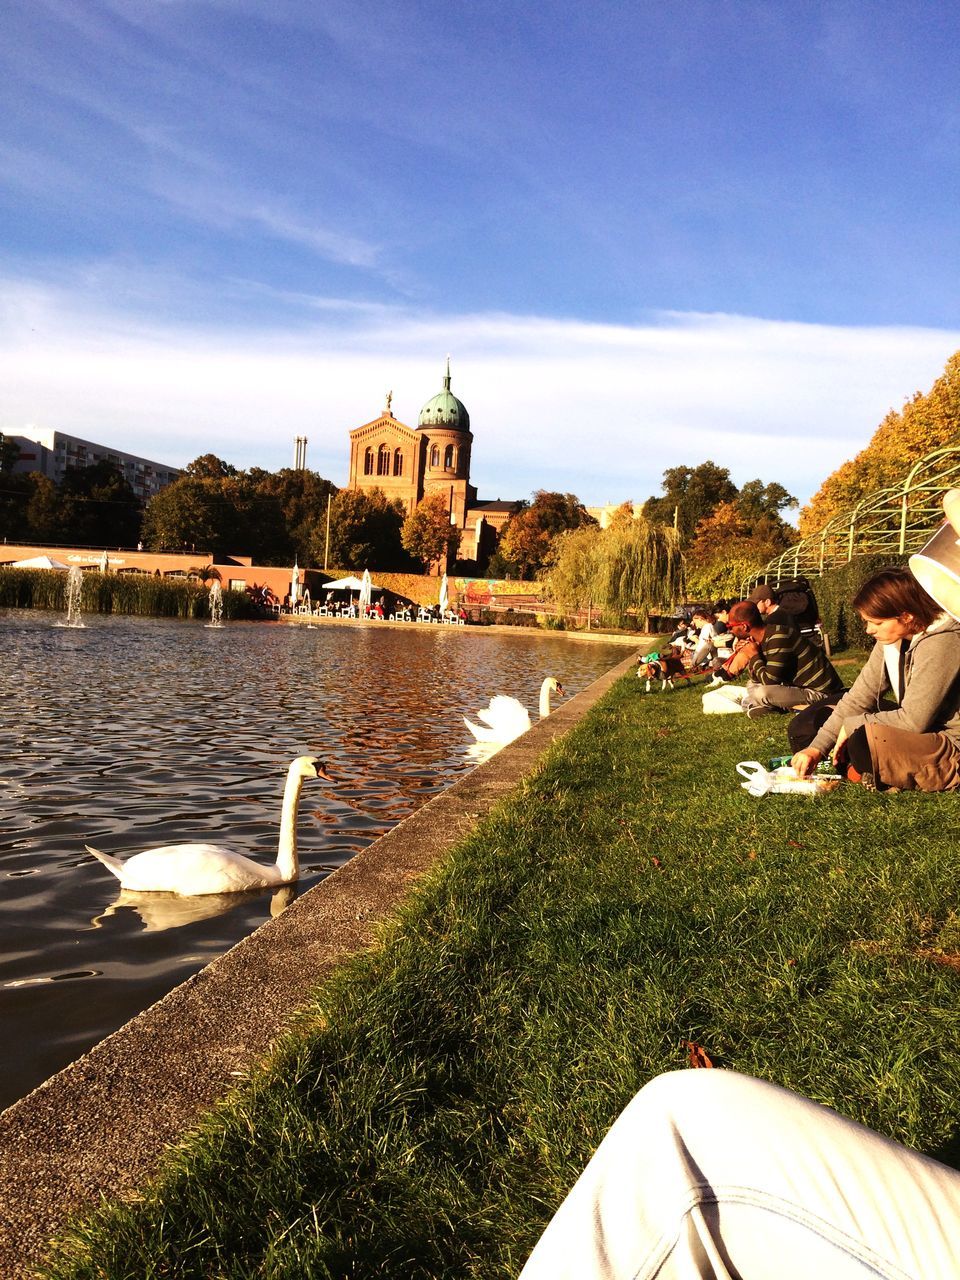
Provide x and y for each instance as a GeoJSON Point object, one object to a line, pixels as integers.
{"type": "Point", "coordinates": [427, 533]}
{"type": "Point", "coordinates": [757, 501]}
{"type": "Point", "coordinates": [728, 547]}
{"type": "Point", "coordinates": [274, 517]}
{"type": "Point", "coordinates": [690, 494]}
{"type": "Point", "coordinates": [927, 422]}
{"type": "Point", "coordinates": [364, 532]}
{"type": "Point", "coordinates": [191, 512]}
{"type": "Point", "coordinates": [209, 467]}
{"type": "Point", "coordinates": [527, 541]}
{"type": "Point", "coordinates": [299, 498]}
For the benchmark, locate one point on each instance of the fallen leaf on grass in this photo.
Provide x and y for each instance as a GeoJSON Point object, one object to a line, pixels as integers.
{"type": "Point", "coordinates": [793, 844]}
{"type": "Point", "coordinates": [663, 733]}
{"type": "Point", "coordinates": [696, 1055]}
{"type": "Point", "coordinates": [655, 862]}
{"type": "Point", "coordinates": [939, 957]}
{"type": "Point", "coordinates": [752, 855]}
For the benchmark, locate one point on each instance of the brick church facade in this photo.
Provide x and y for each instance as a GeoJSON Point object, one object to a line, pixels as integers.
{"type": "Point", "coordinates": [412, 463]}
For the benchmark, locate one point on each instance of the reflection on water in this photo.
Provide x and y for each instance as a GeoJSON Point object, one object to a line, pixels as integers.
{"type": "Point", "coordinates": [160, 911]}
{"type": "Point", "coordinates": [131, 733]}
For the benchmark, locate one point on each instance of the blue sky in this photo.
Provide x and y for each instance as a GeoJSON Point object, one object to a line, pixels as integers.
{"type": "Point", "coordinates": [647, 234]}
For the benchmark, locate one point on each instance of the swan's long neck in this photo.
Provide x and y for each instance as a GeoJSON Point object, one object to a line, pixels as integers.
{"type": "Point", "coordinates": [545, 698]}
{"type": "Point", "coordinates": [288, 864]}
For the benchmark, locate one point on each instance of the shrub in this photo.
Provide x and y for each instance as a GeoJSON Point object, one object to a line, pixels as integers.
{"type": "Point", "coordinates": [834, 591]}
{"type": "Point", "coordinates": [508, 618]}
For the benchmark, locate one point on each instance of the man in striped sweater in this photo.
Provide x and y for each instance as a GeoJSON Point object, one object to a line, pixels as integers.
{"type": "Point", "coordinates": [787, 670]}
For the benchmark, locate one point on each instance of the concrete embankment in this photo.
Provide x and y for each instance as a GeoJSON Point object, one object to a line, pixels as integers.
{"type": "Point", "coordinates": [100, 1126]}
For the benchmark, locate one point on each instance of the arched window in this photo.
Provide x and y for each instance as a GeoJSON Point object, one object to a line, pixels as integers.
{"type": "Point", "coordinates": [383, 460]}
{"type": "Point", "coordinates": [435, 456]}
{"type": "Point", "coordinates": [368, 462]}
{"type": "Point", "coordinates": [398, 462]}
{"type": "Point", "coordinates": [448, 456]}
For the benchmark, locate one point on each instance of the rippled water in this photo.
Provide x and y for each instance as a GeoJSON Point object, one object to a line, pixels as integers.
{"type": "Point", "coordinates": [130, 733]}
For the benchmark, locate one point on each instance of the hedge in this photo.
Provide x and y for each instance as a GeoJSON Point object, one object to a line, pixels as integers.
{"type": "Point", "coordinates": [834, 591]}
{"type": "Point", "coordinates": [116, 593]}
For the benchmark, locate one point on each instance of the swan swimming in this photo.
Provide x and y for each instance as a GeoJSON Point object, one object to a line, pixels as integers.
{"type": "Point", "coordinates": [195, 869]}
{"type": "Point", "coordinates": [506, 718]}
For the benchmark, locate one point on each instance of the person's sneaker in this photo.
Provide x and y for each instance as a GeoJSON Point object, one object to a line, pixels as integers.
{"type": "Point", "coordinates": [754, 713]}
{"type": "Point", "coordinates": [868, 781]}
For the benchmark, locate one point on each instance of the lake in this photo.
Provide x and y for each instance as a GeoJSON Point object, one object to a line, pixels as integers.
{"type": "Point", "coordinates": [133, 732]}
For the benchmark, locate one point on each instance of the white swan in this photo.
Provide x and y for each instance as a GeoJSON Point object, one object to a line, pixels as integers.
{"type": "Point", "coordinates": [195, 869]}
{"type": "Point", "coordinates": [506, 718]}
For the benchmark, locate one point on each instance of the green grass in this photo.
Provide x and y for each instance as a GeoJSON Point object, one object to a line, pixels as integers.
{"type": "Point", "coordinates": [443, 1092]}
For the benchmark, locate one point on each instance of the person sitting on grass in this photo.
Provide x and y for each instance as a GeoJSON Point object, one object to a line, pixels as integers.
{"type": "Point", "coordinates": [768, 606]}
{"type": "Point", "coordinates": [723, 637]}
{"type": "Point", "coordinates": [705, 650]}
{"type": "Point", "coordinates": [914, 742]}
{"type": "Point", "coordinates": [786, 669]}
{"type": "Point", "coordinates": [714, 1175]}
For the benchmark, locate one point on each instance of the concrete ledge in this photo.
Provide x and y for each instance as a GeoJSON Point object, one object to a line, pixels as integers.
{"type": "Point", "coordinates": [633, 639]}
{"type": "Point", "coordinates": [100, 1125]}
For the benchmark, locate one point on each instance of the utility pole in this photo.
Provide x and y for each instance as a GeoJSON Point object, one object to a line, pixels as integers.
{"type": "Point", "coordinates": [326, 546]}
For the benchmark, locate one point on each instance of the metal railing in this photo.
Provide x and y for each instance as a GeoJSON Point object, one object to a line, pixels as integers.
{"type": "Point", "coordinates": [897, 521]}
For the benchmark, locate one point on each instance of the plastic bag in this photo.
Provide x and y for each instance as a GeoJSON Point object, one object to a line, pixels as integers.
{"type": "Point", "coordinates": [783, 781]}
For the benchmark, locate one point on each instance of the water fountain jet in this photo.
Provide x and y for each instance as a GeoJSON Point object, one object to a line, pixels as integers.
{"type": "Point", "coordinates": [74, 616]}
{"type": "Point", "coordinates": [216, 605]}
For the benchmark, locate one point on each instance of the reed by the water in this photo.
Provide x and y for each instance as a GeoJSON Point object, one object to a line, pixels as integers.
{"type": "Point", "coordinates": [118, 593]}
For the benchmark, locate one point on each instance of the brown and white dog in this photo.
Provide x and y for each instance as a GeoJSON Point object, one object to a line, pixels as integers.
{"type": "Point", "coordinates": [666, 668]}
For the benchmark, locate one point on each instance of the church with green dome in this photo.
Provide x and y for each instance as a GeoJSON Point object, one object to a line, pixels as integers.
{"type": "Point", "coordinates": [412, 463]}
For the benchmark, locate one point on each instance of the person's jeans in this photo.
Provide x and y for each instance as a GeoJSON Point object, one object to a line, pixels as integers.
{"type": "Point", "coordinates": [711, 1175]}
{"type": "Point", "coordinates": [777, 697]}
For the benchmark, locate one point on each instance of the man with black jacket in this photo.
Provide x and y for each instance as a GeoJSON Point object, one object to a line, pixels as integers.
{"type": "Point", "coordinates": [787, 669]}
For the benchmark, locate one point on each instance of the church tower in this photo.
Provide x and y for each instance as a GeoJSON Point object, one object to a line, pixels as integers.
{"type": "Point", "coordinates": [445, 427]}
{"type": "Point", "coordinates": [411, 464]}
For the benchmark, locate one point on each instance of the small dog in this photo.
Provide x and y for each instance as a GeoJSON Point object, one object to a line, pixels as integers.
{"type": "Point", "coordinates": [666, 668]}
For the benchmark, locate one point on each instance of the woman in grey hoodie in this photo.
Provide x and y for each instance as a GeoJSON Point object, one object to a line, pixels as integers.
{"type": "Point", "coordinates": [913, 741]}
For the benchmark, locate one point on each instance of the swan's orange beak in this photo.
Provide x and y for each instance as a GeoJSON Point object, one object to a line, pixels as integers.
{"type": "Point", "coordinates": [559, 690]}
{"type": "Point", "coordinates": [321, 769]}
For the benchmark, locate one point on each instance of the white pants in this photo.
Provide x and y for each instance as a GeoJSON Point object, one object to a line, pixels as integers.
{"type": "Point", "coordinates": [711, 1175]}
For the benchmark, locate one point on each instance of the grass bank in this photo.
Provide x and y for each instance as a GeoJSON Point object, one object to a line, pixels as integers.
{"type": "Point", "coordinates": [441, 1094]}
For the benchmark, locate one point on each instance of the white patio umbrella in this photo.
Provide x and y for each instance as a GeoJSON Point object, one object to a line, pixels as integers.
{"type": "Point", "coordinates": [294, 583]}
{"type": "Point", "coordinates": [444, 595]}
{"type": "Point", "coordinates": [39, 562]}
{"type": "Point", "coordinates": [366, 591]}
{"type": "Point", "coordinates": [345, 584]}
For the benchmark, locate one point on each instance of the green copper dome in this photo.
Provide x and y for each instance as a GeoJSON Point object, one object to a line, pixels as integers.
{"type": "Point", "coordinates": [445, 410]}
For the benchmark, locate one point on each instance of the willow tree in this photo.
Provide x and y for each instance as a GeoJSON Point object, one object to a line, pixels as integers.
{"type": "Point", "coordinates": [631, 567]}
{"type": "Point", "coordinates": [569, 581]}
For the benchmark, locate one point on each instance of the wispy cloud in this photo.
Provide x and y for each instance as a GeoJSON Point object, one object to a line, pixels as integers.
{"type": "Point", "coordinates": [598, 410]}
{"type": "Point", "coordinates": [230, 210]}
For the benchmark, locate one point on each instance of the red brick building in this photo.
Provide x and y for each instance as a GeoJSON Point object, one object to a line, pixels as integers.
{"type": "Point", "coordinates": [412, 463]}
